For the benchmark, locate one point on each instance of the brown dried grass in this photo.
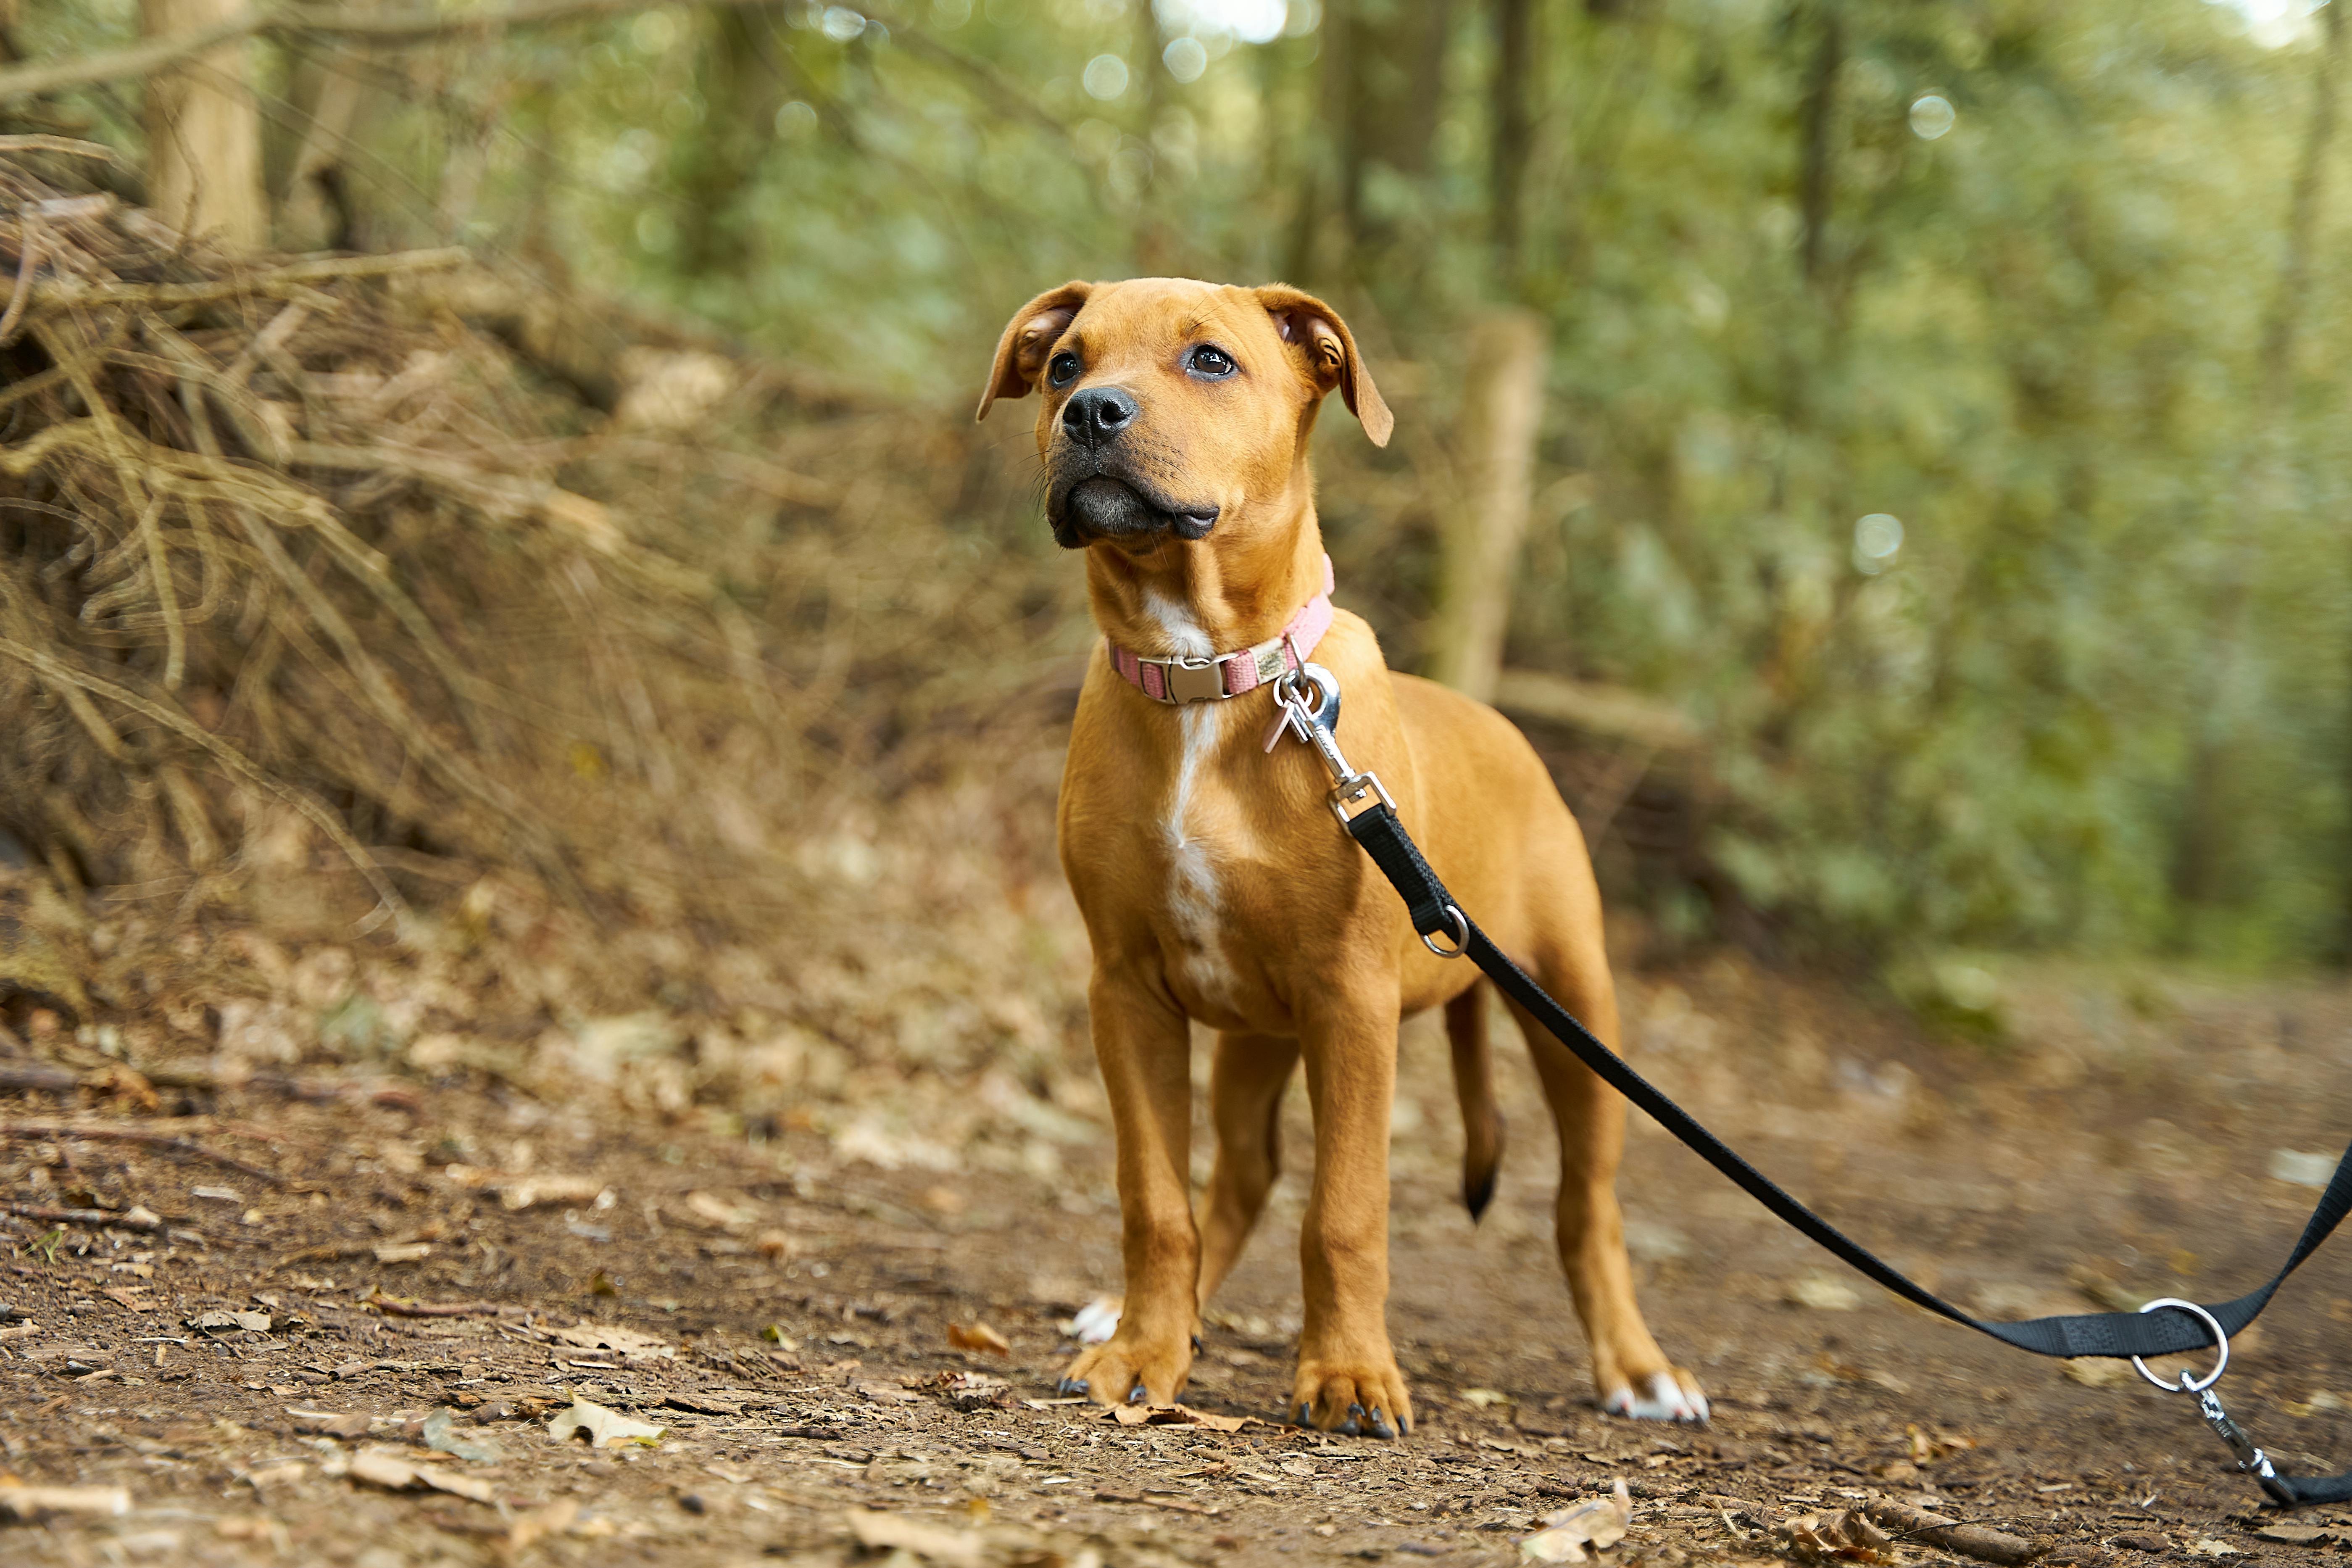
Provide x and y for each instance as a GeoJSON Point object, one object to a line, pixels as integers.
{"type": "Point", "coordinates": [300, 569]}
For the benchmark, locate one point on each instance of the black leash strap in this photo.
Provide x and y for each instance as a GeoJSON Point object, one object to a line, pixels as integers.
{"type": "Point", "coordinates": [1434, 914]}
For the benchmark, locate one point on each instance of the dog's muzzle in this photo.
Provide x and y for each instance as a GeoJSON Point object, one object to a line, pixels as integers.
{"type": "Point", "coordinates": [1089, 504]}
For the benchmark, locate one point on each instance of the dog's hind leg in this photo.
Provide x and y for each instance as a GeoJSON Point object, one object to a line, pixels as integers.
{"type": "Point", "coordinates": [1474, 1089]}
{"type": "Point", "coordinates": [1247, 1076]}
{"type": "Point", "coordinates": [1630, 1374]}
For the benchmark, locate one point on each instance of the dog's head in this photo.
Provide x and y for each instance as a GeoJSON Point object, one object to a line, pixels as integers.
{"type": "Point", "coordinates": [1172, 407]}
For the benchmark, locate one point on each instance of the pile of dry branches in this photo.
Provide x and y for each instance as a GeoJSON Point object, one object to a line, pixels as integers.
{"type": "Point", "coordinates": [294, 574]}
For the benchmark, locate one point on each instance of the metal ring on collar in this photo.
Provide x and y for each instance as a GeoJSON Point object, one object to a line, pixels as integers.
{"type": "Point", "coordinates": [1460, 933]}
{"type": "Point", "coordinates": [2188, 1383]}
{"type": "Point", "coordinates": [1292, 686]}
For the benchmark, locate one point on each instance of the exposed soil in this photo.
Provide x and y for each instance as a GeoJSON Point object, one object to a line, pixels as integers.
{"type": "Point", "coordinates": [791, 1310]}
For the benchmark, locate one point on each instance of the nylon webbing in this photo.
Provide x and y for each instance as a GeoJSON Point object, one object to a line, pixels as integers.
{"type": "Point", "coordinates": [1383, 837]}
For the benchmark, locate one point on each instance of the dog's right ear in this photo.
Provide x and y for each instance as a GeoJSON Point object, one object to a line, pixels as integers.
{"type": "Point", "coordinates": [1021, 351]}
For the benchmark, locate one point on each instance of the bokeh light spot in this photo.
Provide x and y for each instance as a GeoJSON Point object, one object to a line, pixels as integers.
{"type": "Point", "coordinates": [1876, 537]}
{"type": "Point", "coordinates": [1185, 58]}
{"type": "Point", "coordinates": [1931, 115]}
{"type": "Point", "coordinates": [1105, 77]}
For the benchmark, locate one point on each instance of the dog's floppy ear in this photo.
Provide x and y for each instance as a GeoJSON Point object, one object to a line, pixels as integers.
{"type": "Point", "coordinates": [1021, 351]}
{"type": "Point", "coordinates": [1331, 356]}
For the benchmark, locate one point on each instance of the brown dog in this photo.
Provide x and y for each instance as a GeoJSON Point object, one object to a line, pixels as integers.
{"type": "Point", "coordinates": [1214, 883]}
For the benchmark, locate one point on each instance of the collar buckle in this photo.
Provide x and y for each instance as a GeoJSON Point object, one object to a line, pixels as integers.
{"type": "Point", "coordinates": [1195, 679]}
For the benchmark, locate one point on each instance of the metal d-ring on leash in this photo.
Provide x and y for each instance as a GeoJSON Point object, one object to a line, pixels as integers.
{"type": "Point", "coordinates": [1309, 697]}
{"type": "Point", "coordinates": [2251, 1458]}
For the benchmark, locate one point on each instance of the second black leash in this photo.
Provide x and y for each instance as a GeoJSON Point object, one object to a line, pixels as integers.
{"type": "Point", "coordinates": [2161, 1328]}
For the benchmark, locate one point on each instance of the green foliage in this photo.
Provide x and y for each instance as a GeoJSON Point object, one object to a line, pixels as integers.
{"type": "Point", "coordinates": [2098, 695]}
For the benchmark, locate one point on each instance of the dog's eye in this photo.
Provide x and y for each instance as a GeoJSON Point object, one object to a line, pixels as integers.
{"type": "Point", "coordinates": [1213, 362]}
{"type": "Point", "coordinates": [1064, 369]}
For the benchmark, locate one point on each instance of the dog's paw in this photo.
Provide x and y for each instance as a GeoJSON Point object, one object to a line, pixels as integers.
{"type": "Point", "coordinates": [1366, 1399]}
{"type": "Point", "coordinates": [1097, 1322]}
{"type": "Point", "coordinates": [1123, 1370]}
{"type": "Point", "coordinates": [1672, 1395]}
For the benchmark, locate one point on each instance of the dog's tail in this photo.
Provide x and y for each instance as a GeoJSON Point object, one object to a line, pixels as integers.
{"type": "Point", "coordinates": [1473, 1087]}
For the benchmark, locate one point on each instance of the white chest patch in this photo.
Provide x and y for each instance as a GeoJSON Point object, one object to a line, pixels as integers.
{"type": "Point", "coordinates": [1193, 892]}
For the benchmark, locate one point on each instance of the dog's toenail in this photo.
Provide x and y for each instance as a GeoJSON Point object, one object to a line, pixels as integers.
{"type": "Point", "coordinates": [1136, 1395]}
{"type": "Point", "coordinates": [1073, 1385]}
{"type": "Point", "coordinates": [1348, 1428]}
{"type": "Point", "coordinates": [1302, 1413]}
{"type": "Point", "coordinates": [1381, 1428]}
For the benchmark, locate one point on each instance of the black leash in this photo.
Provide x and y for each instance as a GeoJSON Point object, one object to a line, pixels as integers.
{"type": "Point", "coordinates": [1370, 818]}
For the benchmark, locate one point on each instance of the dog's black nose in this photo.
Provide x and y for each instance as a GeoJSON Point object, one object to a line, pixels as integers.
{"type": "Point", "coordinates": [1097, 414]}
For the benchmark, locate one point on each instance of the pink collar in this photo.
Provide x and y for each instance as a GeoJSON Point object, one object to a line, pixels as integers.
{"type": "Point", "coordinates": [1181, 680]}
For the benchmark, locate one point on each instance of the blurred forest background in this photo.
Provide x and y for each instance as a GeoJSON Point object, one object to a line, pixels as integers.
{"type": "Point", "coordinates": [1907, 442]}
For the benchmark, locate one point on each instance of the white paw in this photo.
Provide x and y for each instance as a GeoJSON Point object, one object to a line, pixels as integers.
{"type": "Point", "coordinates": [1667, 1401]}
{"type": "Point", "coordinates": [1096, 1322]}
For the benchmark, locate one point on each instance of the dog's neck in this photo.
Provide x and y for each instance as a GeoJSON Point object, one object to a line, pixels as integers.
{"type": "Point", "coordinates": [1201, 598]}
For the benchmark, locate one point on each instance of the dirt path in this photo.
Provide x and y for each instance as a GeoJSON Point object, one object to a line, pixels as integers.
{"type": "Point", "coordinates": [787, 1317]}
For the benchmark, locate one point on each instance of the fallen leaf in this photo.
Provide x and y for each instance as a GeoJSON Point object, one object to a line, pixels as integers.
{"type": "Point", "coordinates": [2210, 1547]}
{"type": "Point", "coordinates": [1178, 1416]}
{"type": "Point", "coordinates": [30, 1503]}
{"type": "Point", "coordinates": [1597, 1522]}
{"type": "Point", "coordinates": [604, 1427]}
{"type": "Point", "coordinates": [404, 1251]}
{"type": "Point", "coordinates": [631, 1344]}
{"type": "Point", "coordinates": [1486, 1398]}
{"type": "Point", "coordinates": [2303, 1170]}
{"type": "Point", "coordinates": [383, 1468]}
{"type": "Point", "coordinates": [335, 1424]}
{"type": "Point", "coordinates": [438, 1437]}
{"type": "Point", "coordinates": [1820, 1293]}
{"type": "Point", "coordinates": [2298, 1534]}
{"type": "Point", "coordinates": [1980, 1541]}
{"type": "Point", "coordinates": [896, 1532]}
{"type": "Point", "coordinates": [225, 1322]}
{"type": "Point", "coordinates": [2097, 1371]}
{"type": "Point", "coordinates": [979, 1337]}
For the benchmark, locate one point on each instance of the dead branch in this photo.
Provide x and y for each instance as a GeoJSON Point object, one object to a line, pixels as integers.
{"type": "Point", "coordinates": [272, 281]}
{"type": "Point", "coordinates": [148, 1137]}
{"type": "Point", "coordinates": [99, 1217]}
{"type": "Point", "coordinates": [383, 31]}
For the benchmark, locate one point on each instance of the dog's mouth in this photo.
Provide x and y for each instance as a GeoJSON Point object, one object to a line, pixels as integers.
{"type": "Point", "coordinates": [1098, 506]}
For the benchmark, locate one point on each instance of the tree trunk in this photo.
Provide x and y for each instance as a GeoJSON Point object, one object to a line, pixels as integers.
{"type": "Point", "coordinates": [1502, 413]}
{"type": "Point", "coordinates": [2205, 855]}
{"type": "Point", "coordinates": [741, 90]}
{"type": "Point", "coordinates": [1393, 61]}
{"type": "Point", "coordinates": [314, 211]}
{"type": "Point", "coordinates": [203, 132]}
{"type": "Point", "coordinates": [1818, 184]}
{"type": "Point", "coordinates": [1514, 131]}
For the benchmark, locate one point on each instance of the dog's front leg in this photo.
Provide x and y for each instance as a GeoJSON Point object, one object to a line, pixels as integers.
{"type": "Point", "coordinates": [1144, 1047]}
{"type": "Point", "coordinates": [1348, 1378]}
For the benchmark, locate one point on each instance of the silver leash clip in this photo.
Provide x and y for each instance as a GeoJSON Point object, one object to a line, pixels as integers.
{"type": "Point", "coordinates": [2251, 1458]}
